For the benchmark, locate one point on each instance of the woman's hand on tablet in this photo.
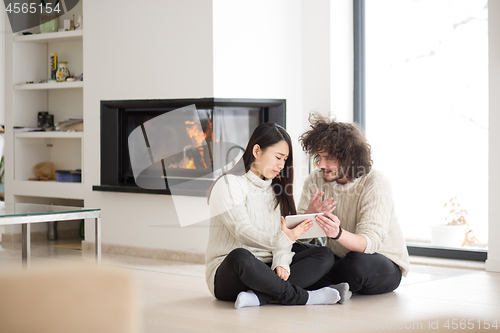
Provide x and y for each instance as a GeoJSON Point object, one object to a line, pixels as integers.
{"type": "Point", "coordinates": [299, 230]}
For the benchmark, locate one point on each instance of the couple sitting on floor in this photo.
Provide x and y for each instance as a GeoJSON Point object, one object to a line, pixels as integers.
{"type": "Point", "coordinates": [253, 259]}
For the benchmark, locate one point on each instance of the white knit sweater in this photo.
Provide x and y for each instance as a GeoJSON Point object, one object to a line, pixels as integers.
{"type": "Point", "coordinates": [364, 207]}
{"type": "Point", "coordinates": [243, 216]}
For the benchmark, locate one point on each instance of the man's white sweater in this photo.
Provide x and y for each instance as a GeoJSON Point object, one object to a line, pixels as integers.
{"type": "Point", "coordinates": [243, 215]}
{"type": "Point", "coordinates": [364, 207]}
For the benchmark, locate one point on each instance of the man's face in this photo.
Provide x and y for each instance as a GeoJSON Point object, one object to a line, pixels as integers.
{"type": "Point", "coordinates": [330, 168]}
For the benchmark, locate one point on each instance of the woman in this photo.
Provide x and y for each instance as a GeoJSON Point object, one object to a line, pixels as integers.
{"type": "Point", "coordinates": [249, 259]}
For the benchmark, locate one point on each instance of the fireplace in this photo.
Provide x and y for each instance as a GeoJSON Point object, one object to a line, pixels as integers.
{"type": "Point", "coordinates": [202, 154]}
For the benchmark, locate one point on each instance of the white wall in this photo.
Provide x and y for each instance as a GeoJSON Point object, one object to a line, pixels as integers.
{"type": "Point", "coordinates": [493, 262]}
{"type": "Point", "coordinates": [316, 85]}
{"type": "Point", "coordinates": [342, 60]}
{"type": "Point", "coordinates": [158, 50]}
{"type": "Point", "coordinates": [257, 54]}
{"type": "Point", "coordinates": [257, 48]}
{"type": "Point", "coordinates": [276, 49]}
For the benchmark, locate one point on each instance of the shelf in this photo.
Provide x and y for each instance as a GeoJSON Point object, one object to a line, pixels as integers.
{"type": "Point", "coordinates": [62, 36]}
{"type": "Point", "coordinates": [49, 134]}
{"type": "Point", "coordinates": [28, 58]}
{"type": "Point", "coordinates": [51, 189]}
{"type": "Point", "coordinates": [47, 86]}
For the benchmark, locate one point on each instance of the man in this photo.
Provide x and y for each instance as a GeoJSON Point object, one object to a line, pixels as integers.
{"type": "Point", "coordinates": [364, 233]}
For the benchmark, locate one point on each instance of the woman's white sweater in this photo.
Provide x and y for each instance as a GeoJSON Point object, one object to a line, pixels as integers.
{"type": "Point", "coordinates": [243, 215]}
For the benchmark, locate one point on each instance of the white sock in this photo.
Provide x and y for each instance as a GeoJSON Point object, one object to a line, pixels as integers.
{"type": "Point", "coordinates": [246, 298]}
{"type": "Point", "coordinates": [343, 289]}
{"type": "Point", "coordinates": [324, 295]}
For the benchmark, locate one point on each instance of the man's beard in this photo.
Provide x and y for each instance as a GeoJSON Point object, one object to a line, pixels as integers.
{"type": "Point", "coordinates": [336, 175]}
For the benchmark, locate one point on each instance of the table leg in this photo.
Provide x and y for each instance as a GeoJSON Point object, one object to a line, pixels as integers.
{"type": "Point", "coordinates": [98, 239]}
{"type": "Point", "coordinates": [26, 244]}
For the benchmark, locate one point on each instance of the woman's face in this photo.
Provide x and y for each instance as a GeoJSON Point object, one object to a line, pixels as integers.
{"type": "Point", "coordinates": [269, 162]}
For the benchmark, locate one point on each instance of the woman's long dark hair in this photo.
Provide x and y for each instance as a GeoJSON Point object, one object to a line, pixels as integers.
{"type": "Point", "coordinates": [265, 135]}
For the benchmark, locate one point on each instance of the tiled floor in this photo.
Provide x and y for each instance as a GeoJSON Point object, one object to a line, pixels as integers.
{"type": "Point", "coordinates": [176, 299]}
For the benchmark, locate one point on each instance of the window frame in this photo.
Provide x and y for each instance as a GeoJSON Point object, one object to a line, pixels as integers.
{"type": "Point", "coordinates": [359, 116]}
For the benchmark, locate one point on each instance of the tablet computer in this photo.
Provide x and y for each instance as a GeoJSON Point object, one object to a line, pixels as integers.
{"type": "Point", "coordinates": [315, 231]}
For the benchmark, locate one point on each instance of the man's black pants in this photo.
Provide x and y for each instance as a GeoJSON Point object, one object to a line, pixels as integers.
{"type": "Point", "coordinates": [369, 274]}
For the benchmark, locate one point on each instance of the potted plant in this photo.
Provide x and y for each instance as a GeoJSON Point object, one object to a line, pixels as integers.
{"type": "Point", "coordinates": [456, 231]}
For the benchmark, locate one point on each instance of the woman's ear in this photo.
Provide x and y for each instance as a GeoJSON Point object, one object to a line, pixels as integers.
{"type": "Point", "coordinates": [256, 150]}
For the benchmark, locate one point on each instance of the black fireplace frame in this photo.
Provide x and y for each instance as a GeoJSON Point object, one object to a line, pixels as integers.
{"type": "Point", "coordinates": [271, 110]}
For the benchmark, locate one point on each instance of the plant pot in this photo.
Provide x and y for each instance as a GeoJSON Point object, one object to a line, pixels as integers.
{"type": "Point", "coordinates": [447, 235]}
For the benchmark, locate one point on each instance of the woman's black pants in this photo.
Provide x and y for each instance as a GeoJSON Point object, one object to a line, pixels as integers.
{"type": "Point", "coordinates": [242, 271]}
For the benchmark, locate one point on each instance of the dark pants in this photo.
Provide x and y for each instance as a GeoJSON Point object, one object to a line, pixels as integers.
{"type": "Point", "coordinates": [365, 273]}
{"type": "Point", "coordinates": [241, 271]}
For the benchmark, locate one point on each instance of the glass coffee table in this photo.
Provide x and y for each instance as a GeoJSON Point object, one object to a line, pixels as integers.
{"type": "Point", "coordinates": [25, 214]}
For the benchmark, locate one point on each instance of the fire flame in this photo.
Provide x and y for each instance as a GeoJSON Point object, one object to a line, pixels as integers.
{"type": "Point", "coordinates": [195, 132]}
{"type": "Point", "coordinates": [190, 164]}
{"type": "Point", "coordinates": [197, 136]}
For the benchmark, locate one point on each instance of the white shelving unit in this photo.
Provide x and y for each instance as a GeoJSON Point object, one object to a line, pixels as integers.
{"type": "Point", "coordinates": [52, 189]}
{"type": "Point", "coordinates": [50, 134]}
{"type": "Point", "coordinates": [76, 35]}
{"type": "Point", "coordinates": [47, 86]}
{"type": "Point", "coordinates": [27, 60]}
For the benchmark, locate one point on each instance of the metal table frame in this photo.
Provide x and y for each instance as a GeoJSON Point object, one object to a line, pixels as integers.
{"type": "Point", "coordinates": [26, 220]}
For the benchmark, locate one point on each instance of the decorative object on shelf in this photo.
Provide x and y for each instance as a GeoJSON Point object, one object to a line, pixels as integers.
{"type": "Point", "coordinates": [69, 176]}
{"type": "Point", "coordinates": [49, 22]}
{"type": "Point", "coordinates": [41, 118]}
{"type": "Point", "coordinates": [49, 122]}
{"type": "Point", "coordinates": [45, 120]}
{"type": "Point", "coordinates": [70, 124]}
{"type": "Point", "coordinates": [44, 171]}
{"type": "Point", "coordinates": [456, 232]}
{"type": "Point", "coordinates": [62, 71]}
{"type": "Point", "coordinates": [53, 65]}
{"type": "Point", "coordinates": [79, 23]}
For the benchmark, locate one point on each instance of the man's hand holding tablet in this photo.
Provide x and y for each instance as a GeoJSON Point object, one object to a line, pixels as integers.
{"type": "Point", "coordinates": [314, 231]}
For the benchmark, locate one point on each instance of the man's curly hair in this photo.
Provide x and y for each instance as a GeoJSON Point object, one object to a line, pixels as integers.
{"type": "Point", "coordinates": [342, 141]}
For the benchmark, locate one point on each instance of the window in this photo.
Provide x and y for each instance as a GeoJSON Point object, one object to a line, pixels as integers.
{"type": "Point", "coordinates": [427, 109]}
